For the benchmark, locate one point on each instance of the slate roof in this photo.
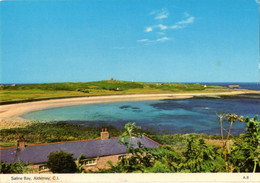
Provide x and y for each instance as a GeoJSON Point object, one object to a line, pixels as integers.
{"type": "Point", "coordinates": [91, 148]}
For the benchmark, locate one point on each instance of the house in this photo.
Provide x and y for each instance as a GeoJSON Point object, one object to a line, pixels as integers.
{"type": "Point", "coordinates": [233, 86]}
{"type": "Point", "coordinates": [97, 151]}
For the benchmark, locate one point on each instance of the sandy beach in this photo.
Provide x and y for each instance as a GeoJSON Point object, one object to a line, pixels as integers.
{"type": "Point", "coordinates": [10, 115]}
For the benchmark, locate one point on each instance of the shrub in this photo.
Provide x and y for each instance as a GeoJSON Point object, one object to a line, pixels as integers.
{"type": "Point", "coordinates": [61, 162]}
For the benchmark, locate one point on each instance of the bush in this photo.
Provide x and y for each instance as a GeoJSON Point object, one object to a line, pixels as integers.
{"type": "Point", "coordinates": [61, 162]}
{"type": "Point", "coordinates": [17, 167]}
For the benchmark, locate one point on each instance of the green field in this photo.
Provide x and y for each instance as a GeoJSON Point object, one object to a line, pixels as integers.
{"type": "Point", "coordinates": [31, 92]}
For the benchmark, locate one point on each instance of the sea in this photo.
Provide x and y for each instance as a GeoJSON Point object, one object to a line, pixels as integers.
{"type": "Point", "coordinates": [160, 116]}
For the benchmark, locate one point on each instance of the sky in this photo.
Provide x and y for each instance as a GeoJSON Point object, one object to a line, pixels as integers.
{"type": "Point", "coordinates": [141, 40]}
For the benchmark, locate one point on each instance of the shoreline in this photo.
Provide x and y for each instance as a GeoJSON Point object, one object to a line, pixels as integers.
{"type": "Point", "coordinates": [10, 114]}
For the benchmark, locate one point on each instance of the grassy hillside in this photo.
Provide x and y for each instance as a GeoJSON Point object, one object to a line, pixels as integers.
{"type": "Point", "coordinates": [36, 133]}
{"type": "Point", "coordinates": [30, 92]}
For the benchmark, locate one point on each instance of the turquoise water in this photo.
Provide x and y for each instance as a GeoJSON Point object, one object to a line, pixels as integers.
{"type": "Point", "coordinates": [165, 116]}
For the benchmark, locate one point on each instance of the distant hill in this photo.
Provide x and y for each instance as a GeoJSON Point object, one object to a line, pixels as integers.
{"type": "Point", "coordinates": [31, 92]}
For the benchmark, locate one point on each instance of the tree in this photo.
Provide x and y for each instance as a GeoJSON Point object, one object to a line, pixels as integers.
{"type": "Point", "coordinates": [61, 162]}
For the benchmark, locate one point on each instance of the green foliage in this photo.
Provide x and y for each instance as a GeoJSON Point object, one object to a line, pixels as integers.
{"type": "Point", "coordinates": [16, 167]}
{"type": "Point", "coordinates": [10, 168]}
{"type": "Point", "coordinates": [179, 141]}
{"type": "Point", "coordinates": [80, 166]}
{"type": "Point", "coordinates": [82, 90]}
{"type": "Point", "coordinates": [177, 87]}
{"type": "Point", "coordinates": [199, 157]}
{"type": "Point", "coordinates": [161, 159]}
{"type": "Point", "coordinates": [54, 132]}
{"type": "Point", "coordinates": [107, 85]}
{"type": "Point", "coordinates": [130, 132]}
{"type": "Point", "coordinates": [245, 154]}
{"type": "Point", "coordinates": [231, 118]}
{"type": "Point", "coordinates": [61, 162]}
{"type": "Point", "coordinates": [143, 159]}
{"type": "Point", "coordinates": [158, 167]}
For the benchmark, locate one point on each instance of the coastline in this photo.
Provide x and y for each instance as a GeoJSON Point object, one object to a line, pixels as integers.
{"type": "Point", "coordinates": [10, 115]}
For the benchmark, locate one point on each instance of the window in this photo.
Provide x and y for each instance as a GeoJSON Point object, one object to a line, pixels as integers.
{"type": "Point", "coordinates": [43, 168]}
{"type": "Point", "coordinates": [90, 162]}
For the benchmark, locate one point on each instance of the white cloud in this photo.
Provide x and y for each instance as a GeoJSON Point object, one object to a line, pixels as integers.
{"type": "Point", "coordinates": [148, 29]}
{"type": "Point", "coordinates": [257, 1]}
{"type": "Point", "coordinates": [161, 26]}
{"type": "Point", "coordinates": [162, 16]}
{"type": "Point", "coordinates": [163, 39]}
{"type": "Point", "coordinates": [161, 33]}
{"type": "Point", "coordinates": [183, 23]}
{"type": "Point", "coordinates": [179, 25]}
{"type": "Point", "coordinates": [176, 27]}
{"type": "Point", "coordinates": [160, 29]}
{"type": "Point", "coordinates": [189, 20]}
{"type": "Point", "coordinates": [148, 41]}
{"type": "Point", "coordinates": [143, 40]}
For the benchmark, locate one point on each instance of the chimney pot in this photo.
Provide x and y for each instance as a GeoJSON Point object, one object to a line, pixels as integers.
{"type": "Point", "coordinates": [104, 134]}
{"type": "Point", "coordinates": [20, 142]}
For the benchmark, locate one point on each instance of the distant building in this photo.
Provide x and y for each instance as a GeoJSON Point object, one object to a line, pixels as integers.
{"type": "Point", "coordinates": [97, 151]}
{"type": "Point", "coordinates": [233, 86]}
{"type": "Point", "coordinates": [111, 79]}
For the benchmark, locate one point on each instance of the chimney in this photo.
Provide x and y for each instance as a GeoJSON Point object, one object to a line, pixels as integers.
{"type": "Point", "coordinates": [20, 142]}
{"type": "Point", "coordinates": [104, 134]}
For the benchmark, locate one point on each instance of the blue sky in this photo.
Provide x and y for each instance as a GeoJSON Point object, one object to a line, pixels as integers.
{"type": "Point", "coordinates": [140, 40]}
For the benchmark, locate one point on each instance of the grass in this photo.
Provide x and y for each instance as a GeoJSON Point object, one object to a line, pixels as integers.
{"type": "Point", "coordinates": [32, 92]}
{"type": "Point", "coordinates": [179, 141]}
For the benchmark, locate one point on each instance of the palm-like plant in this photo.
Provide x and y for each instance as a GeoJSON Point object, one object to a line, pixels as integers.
{"type": "Point", "coordinates": [129, 133]}
{"type": "Point", "coordinates": [80, 165]}
{"type": "Point", "coordinates": [232, 118]}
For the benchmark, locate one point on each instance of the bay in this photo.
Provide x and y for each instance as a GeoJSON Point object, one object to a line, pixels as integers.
{"type": "Point", "coordinates": [164, 116]}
